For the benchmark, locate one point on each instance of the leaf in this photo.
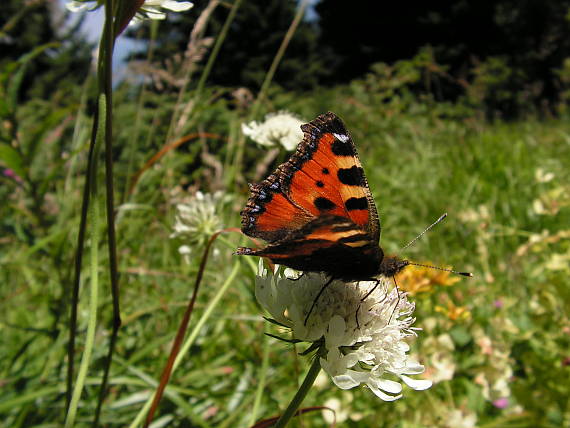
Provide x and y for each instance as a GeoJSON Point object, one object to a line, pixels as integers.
{"type": "Point", "coordinates": [460, 335]}
{"type": "Point", "coordinates": [16, 80]}
{"type": "Point", "coordinates": [12, 159]}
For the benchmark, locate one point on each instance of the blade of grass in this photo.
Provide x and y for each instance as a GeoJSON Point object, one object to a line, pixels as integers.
{"type": "Point", "coordinates": [262, 376]}
{"type": "Point", "coordinates": [278, 57]}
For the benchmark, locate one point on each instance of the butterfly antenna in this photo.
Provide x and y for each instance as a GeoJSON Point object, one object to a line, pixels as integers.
{"type": "Point", "coordinates": [439, 220]}
{"type": "Point", "coordinates": [444, 269]}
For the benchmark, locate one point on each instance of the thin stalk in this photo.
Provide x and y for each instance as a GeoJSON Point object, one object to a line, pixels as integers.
{"type": "Point", "coordinates": [291, 410]}
{"type": "Point", "coordinates": [94, 277]}
{"type": "Point", "coordinates": [240, 147]}
{"type": "Point", "coordinates": [140, 106]}
{"type": "Point", "coordinates": [78, 262]}
{"type": "Point", "coordinates": [278, 57]}
{"type": "Point", "coordinates": [168, 369]}
{"type": "Point", "coordinates": [96, 132]}
{"type": "Point", "coordinates": [216, 50]}
{"type": "Point", "coordinates": [109, 40]}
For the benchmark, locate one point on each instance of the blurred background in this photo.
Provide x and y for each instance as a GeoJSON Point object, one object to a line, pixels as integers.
{"type": "Point", "coordinates": [455, 106]}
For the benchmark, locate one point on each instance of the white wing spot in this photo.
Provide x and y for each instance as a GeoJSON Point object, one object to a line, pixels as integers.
{"type": "Point", "coordinates": [341, 137]}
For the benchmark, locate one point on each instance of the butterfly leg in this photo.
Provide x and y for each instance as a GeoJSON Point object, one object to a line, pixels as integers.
{"type": "Point", "coordinates": [397, 302]}
{"type": "Point", "coordinates": [371, 291]}
{"type": "Point", "coordinates": [244, 251]}
{"type": "Point", "coordinates": [364, 298]}
{"type": "Point", "coordinates": [317, 298]}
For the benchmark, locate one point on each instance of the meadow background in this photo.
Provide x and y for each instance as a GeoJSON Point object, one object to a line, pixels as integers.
{"type": "Point", "coordinates": [459, 107]}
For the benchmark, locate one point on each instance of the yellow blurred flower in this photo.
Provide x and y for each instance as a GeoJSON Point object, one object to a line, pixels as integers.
{"type": "Point", "coordinates": [423, 280]}
{"type": "Point", "coordinates": [453, 312]}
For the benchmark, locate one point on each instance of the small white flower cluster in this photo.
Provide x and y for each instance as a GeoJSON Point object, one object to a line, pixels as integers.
{"type": "Point", "coordinates": [197, 219]}
{"type": "Point", "coordinates": [151, 9]}
{"type": "Point", "coordinates": [278, 128]}
{"type": "Point", "coordinates": [365, 340]}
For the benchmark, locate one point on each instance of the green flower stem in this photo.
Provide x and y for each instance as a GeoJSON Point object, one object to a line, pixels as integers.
{"type": "Point", "coordinates": [94, 274]}
{"type": "Point", "coordinates": [107, 87]}
{"type": "Point", "coordinates": [301, 393]}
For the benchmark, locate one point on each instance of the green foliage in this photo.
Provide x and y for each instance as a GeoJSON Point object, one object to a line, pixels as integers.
{"type": "Point", "coordinates": [503, 334]}
{"type": "Point", "coordinates": [519, 50]}
{"type": "Point", "coordinates": [29, 25]}
{"type": "Point", "coordinates": [419, 162]}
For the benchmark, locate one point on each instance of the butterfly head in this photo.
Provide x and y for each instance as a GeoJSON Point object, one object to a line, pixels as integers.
{"type": "Point", "coordinates": [390, 266]}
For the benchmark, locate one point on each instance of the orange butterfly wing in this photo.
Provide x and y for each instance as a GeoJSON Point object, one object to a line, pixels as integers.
{"type": "Point", "coordinates": [331, 244]}
{"type": "Point", "coordinates": [324, 177]}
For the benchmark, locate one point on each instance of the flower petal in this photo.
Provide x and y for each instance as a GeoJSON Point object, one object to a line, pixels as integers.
{"type": "Point", "coordinates": [345, 381]}
{"type": "Point", "coordinates": [382, 395]}
{"type": "Point", "coordinates": [387, 385]}
{"type": "Point", "coordinates": [417, 384]}
{"type": "Point", "coordinates": [176, 6]}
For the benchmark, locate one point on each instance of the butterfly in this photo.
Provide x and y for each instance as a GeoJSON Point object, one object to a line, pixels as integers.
{"type": "Point", "coordinates": [316, 210]}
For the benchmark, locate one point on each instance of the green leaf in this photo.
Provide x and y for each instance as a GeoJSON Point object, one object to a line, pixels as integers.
{"type": "Point", "coordinates": [16, 80]}
{"type": "Point", "coordinates": [12, 159]}
{"type": "Point", "coordinates": [460, 335]}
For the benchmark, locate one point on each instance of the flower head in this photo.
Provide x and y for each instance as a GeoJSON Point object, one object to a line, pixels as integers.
{"type": "Point", "coordinates": [424, 280]}
{"type": "Point", "coordinates": [197, 219]}
{"type": "Point", "coordinates": [439, 351]}
{"type": "Point", "coordinates": [278, 128]}
{"type": "Point", "coordinates": [363, 340]}
{"type": "Point", "coordinates": [454, 312]}
{"type": "Point", "coordinates": [150, 9]}
{"type": "Point", "coordinates": [154, 9]}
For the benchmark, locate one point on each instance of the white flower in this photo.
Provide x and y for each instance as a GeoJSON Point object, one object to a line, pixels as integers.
{"type": "Point", "coordinates": [151, 9]}
{"type": "Point", "coordinates": [79, 6]}
{"type": "Point", "coordinates": [461, 419]}
{"type": "Point", "coordinates": [364, 340]}
{"type": "Point", "coordinates": [197, 220]}
{"type": "Point", "coordinates": [439, 350]}
{"type": "Point", "coordinates": [278, 128]}
{"type": "Point", "coordinates": [541, 176]}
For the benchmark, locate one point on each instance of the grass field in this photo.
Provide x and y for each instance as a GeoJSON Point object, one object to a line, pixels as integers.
{"type": "Point", "coordinates": [499, 341]}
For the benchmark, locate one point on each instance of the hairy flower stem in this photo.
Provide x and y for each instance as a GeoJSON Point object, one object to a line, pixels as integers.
{"type": "Point", "coordinates": [291, 409]}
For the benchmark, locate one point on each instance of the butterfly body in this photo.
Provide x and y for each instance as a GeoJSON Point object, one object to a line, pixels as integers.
{"type": "Point", "coordinates": [316, 210]}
